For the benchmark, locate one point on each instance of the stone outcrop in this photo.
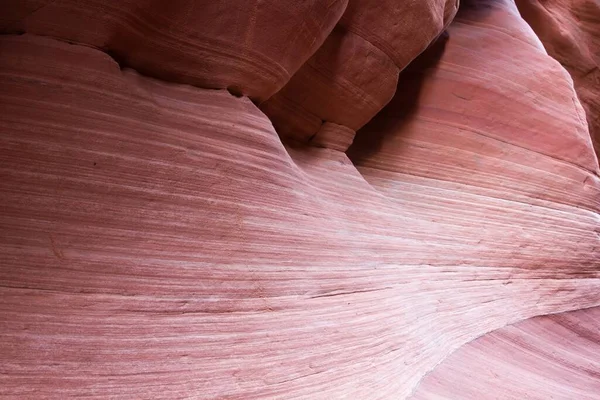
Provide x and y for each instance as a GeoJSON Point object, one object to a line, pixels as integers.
{"type": "Point", "coordinates": [354, 74]}
{"type": "Point", "coordinates": [252, 47]}
{"type": "Point", "coordinates": [570, 31]}
{"type": "Point", "coordinates": [162, 237]}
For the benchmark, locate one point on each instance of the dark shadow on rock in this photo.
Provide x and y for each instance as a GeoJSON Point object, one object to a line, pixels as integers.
{"type": "Point", "coordinates": [477, 6]}
{"type": "Point", "coordinates": [401, 109]}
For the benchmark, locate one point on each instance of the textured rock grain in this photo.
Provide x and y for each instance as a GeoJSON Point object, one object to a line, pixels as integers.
{"type": "Point", "coordinates": [570, 31]}
{"type": "Point", "coordinates": [160, 241]}
{"type": "Point", "coordinates": [550, 357]}
{"type": "Point", "coordinates": [354, 74]}
{"type": "Point", "coordinates": [252, 47]}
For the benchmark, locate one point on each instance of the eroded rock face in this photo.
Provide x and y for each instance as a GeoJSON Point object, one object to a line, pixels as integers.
{"type": "Point", "coordinates": [252, 47]}
{"type": "Point", "coordinates": [484, 129]}
{"type": "Point", "coordinates": [161, 241]}
{"type": "Point", "coordinates": [550, 357]}
{"type": "Point", "coordinates": [354, 74]}
{"type": "Point", "coordinates": [570, 31]}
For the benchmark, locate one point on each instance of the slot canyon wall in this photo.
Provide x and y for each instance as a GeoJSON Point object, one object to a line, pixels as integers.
{"type": "Point", "coordinates": [316, 199]}
{"type": "Point", "coordinates": [570, 31]}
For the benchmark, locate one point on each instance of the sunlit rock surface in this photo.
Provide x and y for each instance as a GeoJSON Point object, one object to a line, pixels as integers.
{"type": "Point", "coordinates": [161, 239]}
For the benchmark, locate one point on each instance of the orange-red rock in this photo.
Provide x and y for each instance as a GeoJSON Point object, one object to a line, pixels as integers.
{"type": "Point", "coordinates": [354, 74]}
{"type": "Point", "coordinates": [570, 31]}
{"type": "Point", "coordinates": [401, 30]}
{"type": "Point", "coordinates": [252, 47]}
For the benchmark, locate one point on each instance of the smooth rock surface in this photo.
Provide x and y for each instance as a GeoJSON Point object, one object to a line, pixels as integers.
{"type": "Point", "coordinates": [550, 357]}
{"type": "Point", "coordinates": [570, 31]}
{"type": "Point", "coordinates": [354, 74]}
{"type": "Point", "coordinates": [496, 121]}
{"type": "Point", "coordinates": [161, 242]}
{"type": "Point", "coordinates": [252, 47]}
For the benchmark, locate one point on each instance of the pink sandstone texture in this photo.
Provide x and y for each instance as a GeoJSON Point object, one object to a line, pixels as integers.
{"type": "Point", "coordinates": [549, 357]}
{"type": "Point", "coordinates": [354, 74]}
{"type": "Point", "coordinates": [293, 200]}
{"type": "Point", "coordinates": [570, 31]}
{"type": "Point", "coordinates": [251, 46]}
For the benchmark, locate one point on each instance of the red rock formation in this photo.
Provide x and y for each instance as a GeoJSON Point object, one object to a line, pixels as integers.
{"type": "Point", "coordinates": [354, 74]}
{"type": "Point", "coordinates": [570, 31]}
{"type": "Point", "coordinates": [503, 112]}
{"type": "Point", "coordinates": [252, 47]}
{"type": "Point", "coordinates": [551, 357]}
{"type": "Point", "coordinates": [160, 241]}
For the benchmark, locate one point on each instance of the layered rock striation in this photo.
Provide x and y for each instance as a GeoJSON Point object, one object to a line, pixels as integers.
{"type": "Point", "coordinates": [187, 213]}
{"type": "Point", "coordinates": [570, 31]}
{"type": "Point", "coordinates": [554, 356]}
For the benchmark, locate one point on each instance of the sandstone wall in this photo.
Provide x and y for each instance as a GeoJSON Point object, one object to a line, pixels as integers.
{"type": "Point", "coordinates": [164, 237]}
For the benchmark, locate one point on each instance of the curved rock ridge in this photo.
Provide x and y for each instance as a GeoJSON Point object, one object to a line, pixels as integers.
{"type": "Point", "coordinates": [489, 126]}
{"type": "Point", "coordinates": [354, 74]}
{"type": "Point", "coordinates": [160, 241]}
{"type": "Point", "coordinates": [251, 47]}
{"type": "Point", "coordinates": [550, 357]}
{"type": "Point", "coordinates": [570, 31]}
